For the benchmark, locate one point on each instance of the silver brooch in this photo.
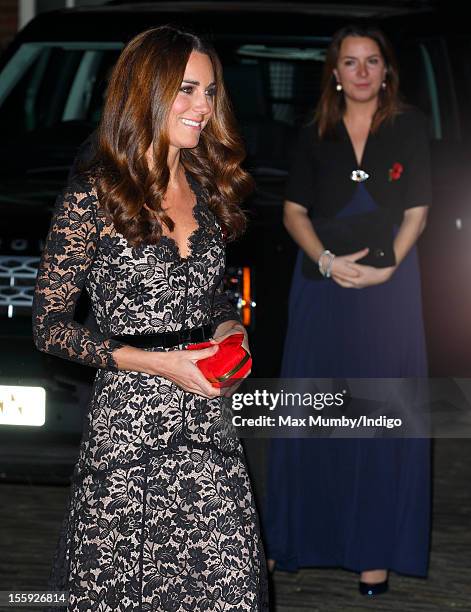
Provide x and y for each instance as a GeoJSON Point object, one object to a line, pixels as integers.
{"type": "Point", "coordinates": [359, 176]}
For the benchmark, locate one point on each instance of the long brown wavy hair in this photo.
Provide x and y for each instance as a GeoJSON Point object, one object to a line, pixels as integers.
{"type": "Point", "coordinates": [143, 86]}
{"type": "Point", "coordinates": [331, 106]}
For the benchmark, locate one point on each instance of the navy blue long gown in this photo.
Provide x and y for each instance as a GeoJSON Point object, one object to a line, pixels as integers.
{"type": "Point", "coordinates": [354, 503]}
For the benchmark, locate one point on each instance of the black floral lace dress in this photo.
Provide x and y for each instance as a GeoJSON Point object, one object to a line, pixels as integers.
{"type": "Point", "coordinates": [161, 514]}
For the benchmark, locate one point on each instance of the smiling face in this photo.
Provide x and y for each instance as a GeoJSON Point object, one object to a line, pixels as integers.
{"type": "Point", "coordinates": [193, 106]}
{"type": "Point", "coordinates": [360, 68]}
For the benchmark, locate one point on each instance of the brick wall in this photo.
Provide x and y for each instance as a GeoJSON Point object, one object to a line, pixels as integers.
{"type": "Point", "coordinates": [8, 21]}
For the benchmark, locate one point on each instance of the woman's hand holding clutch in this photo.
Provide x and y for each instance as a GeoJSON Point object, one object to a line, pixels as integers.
{"type": "Point", "coordinates": [233, 362]}
{"type": "Point", "coordinates": [358, 276]}
{"type": "Point", "coordinates": [181, 368]}
{"type": "Point", "coordinates": [370, 276]}
{"type": "Point", "coordinates": [228, 328]}
{"type": "Point", "coordinates": [344, 269]}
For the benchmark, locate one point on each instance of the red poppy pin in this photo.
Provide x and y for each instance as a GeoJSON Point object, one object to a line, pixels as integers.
{"type": "Point", "coordinates": [396, 171]}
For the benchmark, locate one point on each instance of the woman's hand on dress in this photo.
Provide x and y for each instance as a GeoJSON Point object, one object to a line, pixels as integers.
{"type": "Point", "coordinates": [344, 269]}
{"type": "Point", "coordinates": [180, 368]}
{"type": "Point", "coordinates": [367, 276]}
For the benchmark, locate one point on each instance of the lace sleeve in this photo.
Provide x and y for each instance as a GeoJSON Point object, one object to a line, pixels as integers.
{"type": "Point", "coordinates": [223, 309]}
{"type": "Point", "coordinates": [65, 263]}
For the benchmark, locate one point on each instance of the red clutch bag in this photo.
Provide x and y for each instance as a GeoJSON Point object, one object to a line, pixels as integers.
{"type": "Point", "coordinates": [231, 362]}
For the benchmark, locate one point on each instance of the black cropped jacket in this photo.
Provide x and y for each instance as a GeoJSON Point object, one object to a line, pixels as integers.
{"type": "Point", "coordinates": [396, 158]}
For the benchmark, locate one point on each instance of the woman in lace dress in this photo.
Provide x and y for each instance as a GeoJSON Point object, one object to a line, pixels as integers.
{"type": "Point", "coordinates": [161, 514]}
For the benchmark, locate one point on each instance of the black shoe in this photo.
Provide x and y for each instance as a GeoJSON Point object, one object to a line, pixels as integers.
{"type": "Point", "coordinates": [371, 590]}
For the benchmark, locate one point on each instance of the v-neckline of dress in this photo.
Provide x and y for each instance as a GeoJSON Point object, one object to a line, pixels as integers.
{"type": "Point", "coordinates": [191, 238]}
{"type": "Point", "coordinates": [359, 164]}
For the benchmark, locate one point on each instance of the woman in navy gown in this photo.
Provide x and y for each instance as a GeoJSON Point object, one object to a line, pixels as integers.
{"type": "Point", "coordinates": [355, 503]}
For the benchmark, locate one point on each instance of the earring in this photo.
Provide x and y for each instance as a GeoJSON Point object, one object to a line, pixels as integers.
{"type": "Point", "coordinates": [338, 87]}
{"type": "Point", "coordinates": [383, 85]}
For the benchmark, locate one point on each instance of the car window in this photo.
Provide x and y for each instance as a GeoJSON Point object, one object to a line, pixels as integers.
{"type": "Point", "coordinates": [460, 60]}
{"type": "Point", "coordinates": [274, 86]}
{"type": "Point", "coordinates": [419, 83]}
{"type": "Point", "coordinates": [45, 84]}
{"type": "Point", "coordinates": [290, 77]}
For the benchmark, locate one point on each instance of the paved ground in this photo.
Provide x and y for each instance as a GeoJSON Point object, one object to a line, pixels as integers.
{"type": "Point", "coordinates": [30, 515]}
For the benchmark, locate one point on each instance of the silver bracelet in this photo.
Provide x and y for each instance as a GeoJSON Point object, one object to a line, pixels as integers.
{"type": "Point", "coordinates": [319, 261]}
{"type": "Point", "coordinates": [328, 269]}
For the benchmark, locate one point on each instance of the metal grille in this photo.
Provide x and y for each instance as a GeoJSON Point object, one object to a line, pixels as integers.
{"type": "Point", "coordinates": [17, 280]}
{"type": "Point", "coordinates": [281, 85]}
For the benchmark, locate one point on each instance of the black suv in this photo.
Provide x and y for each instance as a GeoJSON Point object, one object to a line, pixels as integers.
{"type": "Point", "coordinates": [52, 82]}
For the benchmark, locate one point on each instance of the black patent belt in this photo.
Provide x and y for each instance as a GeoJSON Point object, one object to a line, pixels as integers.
{"type": "Point", "coordinates": [166, 339]}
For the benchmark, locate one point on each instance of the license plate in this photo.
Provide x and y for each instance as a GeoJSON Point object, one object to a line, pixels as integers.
{"type": "Point", "coordinates": [22, 405]}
